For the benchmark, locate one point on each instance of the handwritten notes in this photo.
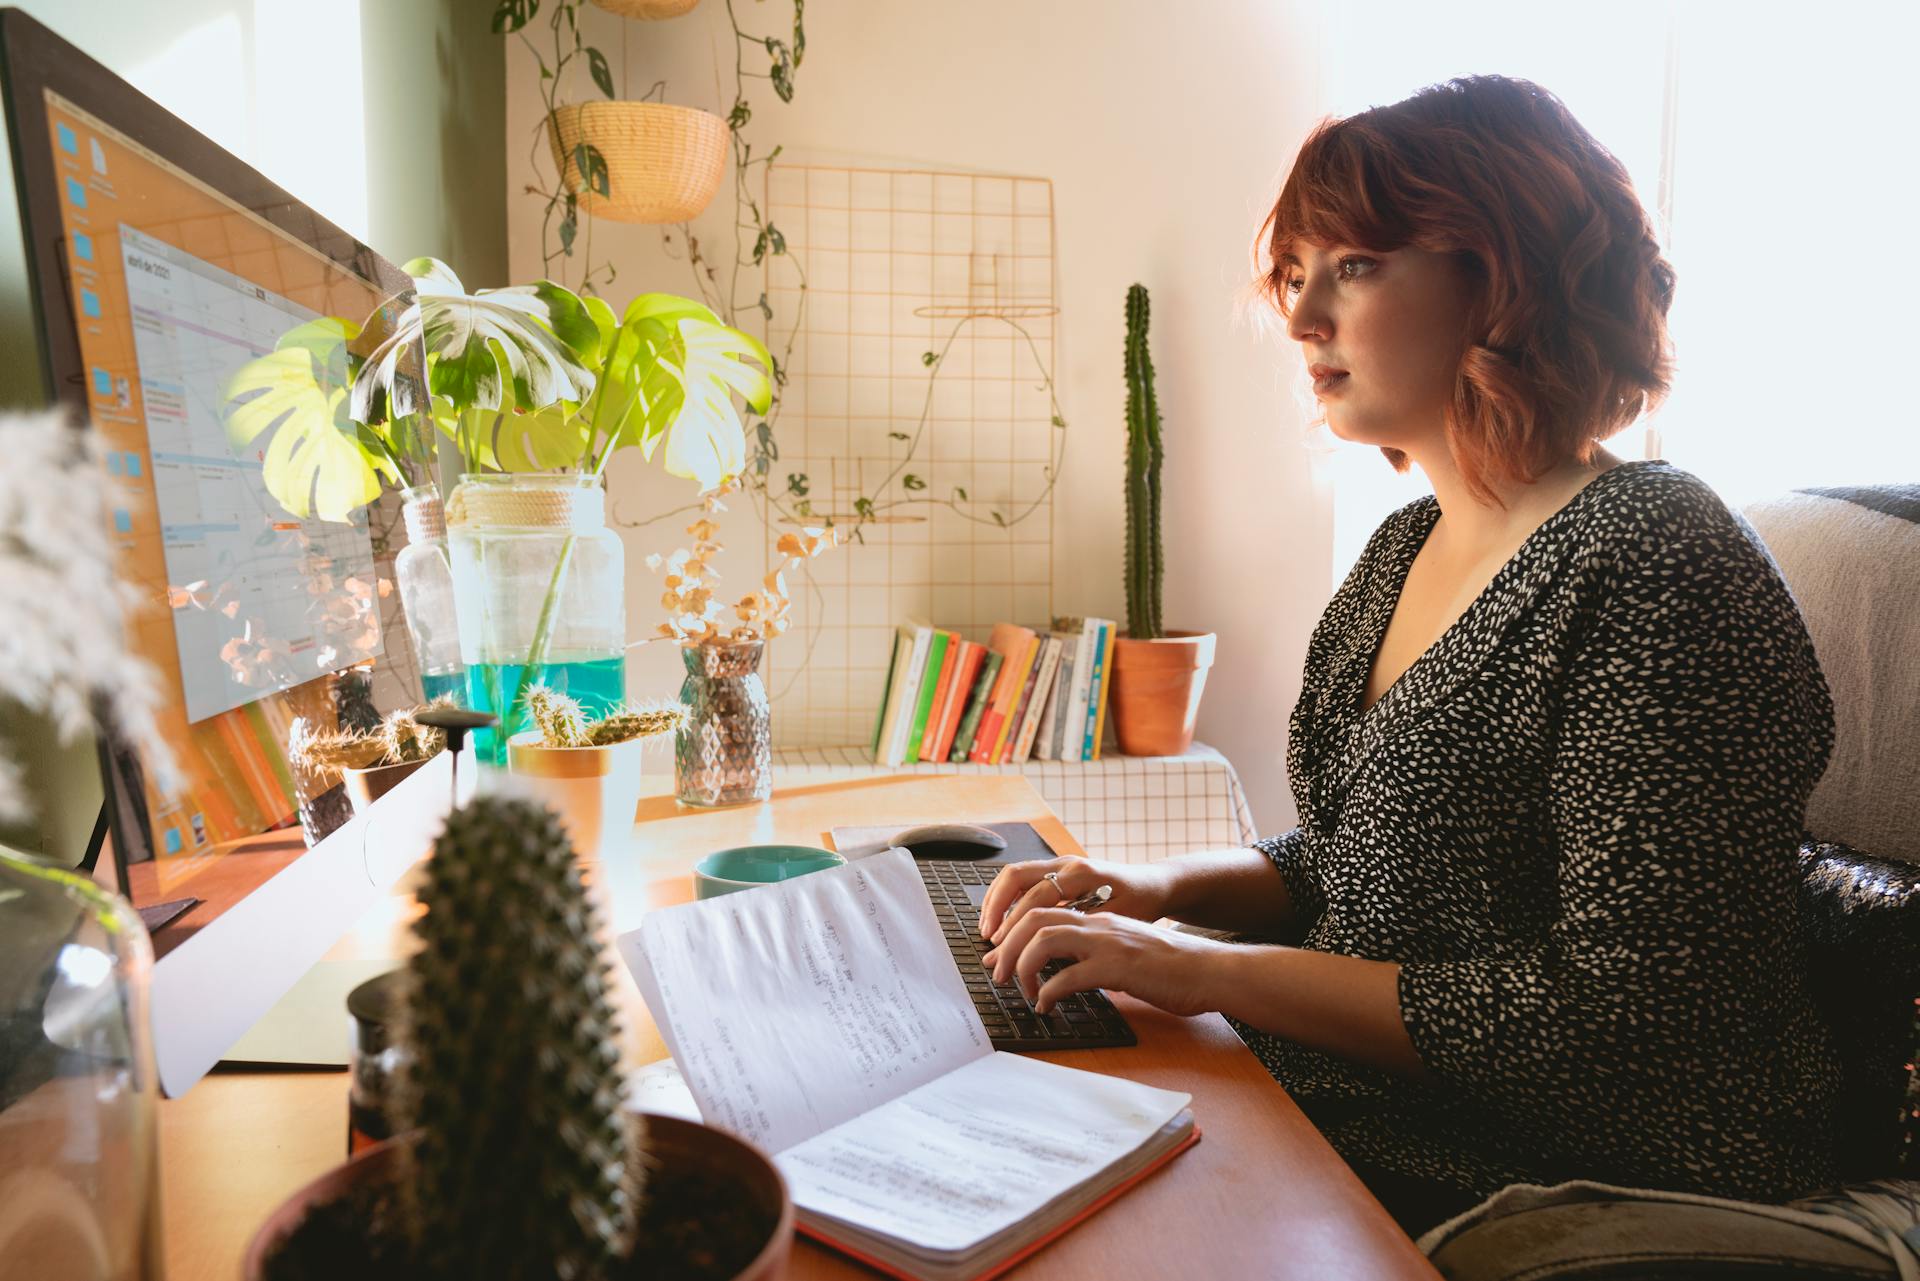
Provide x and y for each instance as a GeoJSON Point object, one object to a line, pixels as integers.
{"type": "Point", "coordinates": [976, 1151]}
{"type": "Point", "coordinates": [797, 1006]}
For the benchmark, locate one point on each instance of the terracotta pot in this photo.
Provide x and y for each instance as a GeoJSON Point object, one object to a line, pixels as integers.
{"type": "Point", "coordinates": [365, 786]}
{"type": "Point", "coordinates": [1156, 691]}
{"type": "Point", "coordinates": [673, 1145]}
{"type": "Point", "coordinates": [594, 790]}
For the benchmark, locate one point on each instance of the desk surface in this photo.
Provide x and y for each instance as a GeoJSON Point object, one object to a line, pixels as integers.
{"type": "Point", "coordinates": [1261, 1195]}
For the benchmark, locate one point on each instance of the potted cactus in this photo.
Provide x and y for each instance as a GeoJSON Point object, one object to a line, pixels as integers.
{"type": "Point", "coordinates": [1158, 675]}
{"type": "Point", "coordinates": [589, 770]}
{"type": "Point", "coordinates": [516, 1160]}
{"type": "Point", "coordinates": [404, 745]}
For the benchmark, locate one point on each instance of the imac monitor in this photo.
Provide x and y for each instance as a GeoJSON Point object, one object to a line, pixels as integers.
{"type": "Point", "coordinates": [159, 264]}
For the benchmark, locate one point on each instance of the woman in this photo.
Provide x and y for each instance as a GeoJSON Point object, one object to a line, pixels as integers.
{"type": "Point", "coordinates": [1557, 730]}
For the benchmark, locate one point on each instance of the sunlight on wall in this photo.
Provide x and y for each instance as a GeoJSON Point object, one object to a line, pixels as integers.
{"type": "Point", "coordinates": [284, 92]}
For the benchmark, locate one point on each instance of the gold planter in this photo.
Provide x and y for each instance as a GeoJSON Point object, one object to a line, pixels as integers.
{"type": "Point", "coordinates": [664, 163]}
{"type": "Point", "coordinates": [594, 790]}
{"type": "Point", "coordinates": [651, 9]}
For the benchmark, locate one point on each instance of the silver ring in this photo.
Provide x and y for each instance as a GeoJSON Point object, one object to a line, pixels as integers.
{"type": "Point", "coordinates": [1053, 879]}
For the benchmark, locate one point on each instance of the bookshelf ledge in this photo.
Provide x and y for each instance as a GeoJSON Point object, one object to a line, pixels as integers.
{"type": "Point", "coordinates": [1133, 809]}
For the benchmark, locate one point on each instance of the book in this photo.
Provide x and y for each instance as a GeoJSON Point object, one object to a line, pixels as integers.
{"type": "Point", "coordinates": [1015, 644]}
{"type": "Point", "coordinates": [1106, 687]}
{"type": "Point", "coordinates": [824, 1020]}
{"type": "Point", "coordinates": [1008, 706]}
{"type": "Point", "coordinates": [928, 691]}
{"type": "Point", "coordinates": [1047, 665]}
{"type": "Point", "coordinates": [1047, 746]}
{"type": "Point", "coordinates": [886, 701]}
{"type": "Point", "coordinates": [942, 691]}
{"type": "Point", "coordinates": [900, 717]}
{"type": "Point", "coordinates": [990, 664]}
{"type": "Point", "coordinates": [1073, 727]}
{"type": "Point", "coordinates": [1096, 678]}
{"type": "Point", "coordinates": [966, 668]}
{"type": "Point", "coordinates": [1017, 709]}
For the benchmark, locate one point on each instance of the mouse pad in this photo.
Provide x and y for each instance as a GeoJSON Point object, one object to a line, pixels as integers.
{"type": "Point", "coordinates": [1023, 842]}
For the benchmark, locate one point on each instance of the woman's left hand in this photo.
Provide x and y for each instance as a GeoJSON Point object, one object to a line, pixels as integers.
{"type": "Point", "coordinates": [1171, 970]}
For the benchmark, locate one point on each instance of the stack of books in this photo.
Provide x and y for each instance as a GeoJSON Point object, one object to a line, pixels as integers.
{"type": "Point", "coordinates": [1027, 694]}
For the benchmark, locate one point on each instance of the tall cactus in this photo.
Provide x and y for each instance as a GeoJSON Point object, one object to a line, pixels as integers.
{"type": "Point", "coordinates": [1145, 568]}
{"type": "Point", "coordinates": [526, 1166]}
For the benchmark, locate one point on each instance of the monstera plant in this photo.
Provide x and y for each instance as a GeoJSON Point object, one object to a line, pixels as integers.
{"type": "Point", "coordinates": [527, 378]}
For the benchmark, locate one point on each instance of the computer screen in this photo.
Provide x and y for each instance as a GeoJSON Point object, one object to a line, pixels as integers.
{"type": "Point", "coordinates": [160, 265]}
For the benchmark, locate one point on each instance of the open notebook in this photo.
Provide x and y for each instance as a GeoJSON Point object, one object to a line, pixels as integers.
{"type": "Point", "coordinates": [824, 1020]}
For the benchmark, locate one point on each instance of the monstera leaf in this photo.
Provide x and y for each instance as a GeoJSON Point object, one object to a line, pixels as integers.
{"type": "Point", "coordinates": [670, 374]}
{"type": "Point", "coordinates": [524, 347]}
{"type": "Point", "coordinates": [319, 462]}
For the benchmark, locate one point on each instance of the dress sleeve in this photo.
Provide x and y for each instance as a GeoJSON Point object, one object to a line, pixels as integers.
{"type": "Point", "coordinates": [1288, 854]}
{"type": "Point", "coordinates": [1693, 724]}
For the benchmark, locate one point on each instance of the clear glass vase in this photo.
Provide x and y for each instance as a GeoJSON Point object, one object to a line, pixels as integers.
{"type": "Point", "coordinates": [79, 1189]}
{"type": "Point", "coordinates": [424, 569]}
{"type": "Point", "coordinates": [539, 584]}
{"type": "Point", "coordinates": [723, 755]}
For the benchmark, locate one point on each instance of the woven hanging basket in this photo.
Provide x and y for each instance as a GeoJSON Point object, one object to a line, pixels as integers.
{"type": "Point", "coordinates": [663, 162]}
{"type": "Point", "coordinates": [647, 8]}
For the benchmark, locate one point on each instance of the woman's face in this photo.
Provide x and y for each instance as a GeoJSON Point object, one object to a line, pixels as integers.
{"type": "Point", "coordinates": [1382, 334]}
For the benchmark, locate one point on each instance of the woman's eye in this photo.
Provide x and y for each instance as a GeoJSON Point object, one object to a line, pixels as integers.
{"type": "Point", "coordinates": [1350, 268]}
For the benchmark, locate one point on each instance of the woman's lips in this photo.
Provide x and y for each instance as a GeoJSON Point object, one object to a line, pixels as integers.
{"type": "Point", "coordinates": [1327, 382]}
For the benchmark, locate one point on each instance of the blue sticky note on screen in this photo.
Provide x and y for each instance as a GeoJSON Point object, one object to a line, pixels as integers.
{"type": "Point", "coordinates": [133, 464]}
{"type": "Point", "coordinates": [69, 141]}
{"type": "Point", "coordinates": [102, 382]}
{"type": "Point", "coordinates": [113, 464]}
{"type": "Point", "coordinates": [83, 246]}
{"type": "Point", "coordinates": [173, 840]}
{"type": "Point", "coordinates": [123, 521]}
{"type": "Point", "coordinates": [76, 194]}
{"type": "Point", "coordinates": [90, 303]}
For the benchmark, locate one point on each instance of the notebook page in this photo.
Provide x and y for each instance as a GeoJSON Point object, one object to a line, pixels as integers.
{"type": "Point", "coordinates": [793, 1007]}
{"type": "Point", "coordinates": [976, 1151]}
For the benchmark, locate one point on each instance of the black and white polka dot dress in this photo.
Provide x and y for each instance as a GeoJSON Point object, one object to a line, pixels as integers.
{"type": "Point", "coordinates": [1572, 822]}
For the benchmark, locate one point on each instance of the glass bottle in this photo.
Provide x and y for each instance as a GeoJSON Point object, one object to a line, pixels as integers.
{"type": "Point", "coordinates": [532, 554]}
{"type": "Point", "coordinates": [79, 1175]}
{"type": "Point", "coordinates": [424, 570]}
{"type": "Point", "coordinates": [723, 755]}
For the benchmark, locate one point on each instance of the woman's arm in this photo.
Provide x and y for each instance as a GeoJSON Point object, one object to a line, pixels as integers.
{"type": "Point", "coordinates": [1341, 1004]}
{"type": "Point", "coordinates": [1237, 890]}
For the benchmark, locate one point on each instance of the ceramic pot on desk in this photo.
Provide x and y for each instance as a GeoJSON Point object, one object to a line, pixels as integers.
{"type": "Point", "coordinates": [594, 790]}
{"type": "Point", "coordinates": [1156, 691]}
{"type": "Point", "coordinates": [702, 1182]}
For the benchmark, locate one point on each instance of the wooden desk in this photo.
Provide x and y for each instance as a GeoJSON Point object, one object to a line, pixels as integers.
{"type": "Point", "coordinates": [1261, 1195]}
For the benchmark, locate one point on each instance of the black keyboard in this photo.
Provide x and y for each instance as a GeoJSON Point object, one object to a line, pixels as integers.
{"type": "Point", "coordinates": [1083, 1021]}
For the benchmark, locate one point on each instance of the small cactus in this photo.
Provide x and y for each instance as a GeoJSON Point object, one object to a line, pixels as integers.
{"type": "Point", "coordinates": [559, 718]}
{"type": "Point", "coordinates": [636, 722]}
{"type": "Point", "coordinates": [526, 1167]}
{"type": "Point", "coordinates": [405, 739]}
{"type": "Point", "coordinates": [1145, 568]}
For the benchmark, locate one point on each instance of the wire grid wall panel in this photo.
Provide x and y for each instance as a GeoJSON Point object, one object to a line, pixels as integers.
{"type": "Point", "coordinates": [896, 264]}
{"type": "Point", "coordinates": [1133, 809]}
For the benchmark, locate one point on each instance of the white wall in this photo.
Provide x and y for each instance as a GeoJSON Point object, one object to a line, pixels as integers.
{"type": "Point", "coordinates": [1166, 131]}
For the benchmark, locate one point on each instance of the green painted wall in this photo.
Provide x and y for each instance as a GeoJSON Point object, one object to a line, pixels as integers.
{"type": "Point", "coordinates": [432, 114]}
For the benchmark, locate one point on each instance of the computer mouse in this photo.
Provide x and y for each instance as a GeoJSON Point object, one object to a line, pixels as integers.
{"type": "Point", "coordinates": [951, 840]}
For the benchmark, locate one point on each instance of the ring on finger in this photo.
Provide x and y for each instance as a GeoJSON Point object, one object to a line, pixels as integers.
{"type": "Point", "coordinates": [1053, 879]}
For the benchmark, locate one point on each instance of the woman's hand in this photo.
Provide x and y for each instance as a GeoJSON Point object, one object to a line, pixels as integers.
{"type": "Point", "coordinates": [1174, 971]}
{"type": "Point", "coordinates": [1020, 888]}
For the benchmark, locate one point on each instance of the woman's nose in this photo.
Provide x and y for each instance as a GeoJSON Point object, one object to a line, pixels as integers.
{"type": "Point", "coordinates": [1306, 322]}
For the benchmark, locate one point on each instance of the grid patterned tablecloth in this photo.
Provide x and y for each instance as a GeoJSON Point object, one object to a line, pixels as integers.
{"type": "Point", "coordinates": [1133, 809]}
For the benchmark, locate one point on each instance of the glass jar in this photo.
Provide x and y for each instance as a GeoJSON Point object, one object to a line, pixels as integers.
{"type": "Point", "coordinates": [723, 755]}
{"type": "Point", "coordinates": [424, 570]}
{"type": "Point", "coordinates": [79, 1189]}
{"type": "Point", "coordinates": [539, 584]}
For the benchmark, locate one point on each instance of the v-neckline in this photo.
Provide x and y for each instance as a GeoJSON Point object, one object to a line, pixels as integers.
{"type": "Point", "coordinates": [1380, 620]}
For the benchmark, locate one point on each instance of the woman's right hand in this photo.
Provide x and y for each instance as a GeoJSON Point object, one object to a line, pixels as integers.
{"type": "Point", "coordinates": [1139, 890]}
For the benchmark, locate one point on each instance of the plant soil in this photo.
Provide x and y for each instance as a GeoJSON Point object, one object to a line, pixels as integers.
{"type": "Point", "coordinates": [691, 1227]}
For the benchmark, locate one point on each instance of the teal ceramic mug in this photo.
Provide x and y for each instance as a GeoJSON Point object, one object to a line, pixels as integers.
{"type": "Point", "coordinates": [746, 866]}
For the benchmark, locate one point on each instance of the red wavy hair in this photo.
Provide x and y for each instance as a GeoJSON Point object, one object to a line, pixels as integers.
{"type": "Point", "coordinates": [1567, 341]}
